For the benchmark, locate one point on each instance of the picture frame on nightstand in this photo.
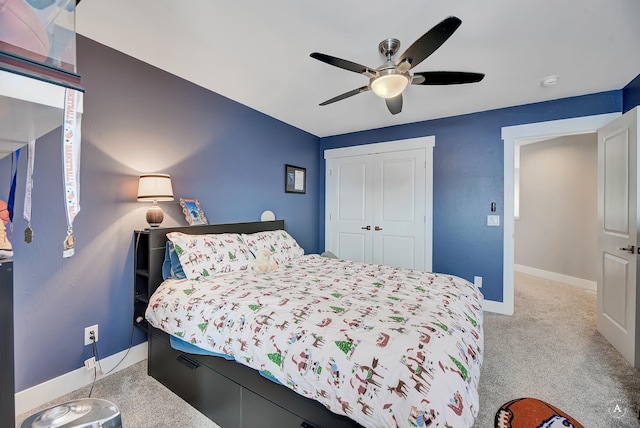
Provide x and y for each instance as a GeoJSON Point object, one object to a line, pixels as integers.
{"type": "Point", "coordinates": [193, 212]}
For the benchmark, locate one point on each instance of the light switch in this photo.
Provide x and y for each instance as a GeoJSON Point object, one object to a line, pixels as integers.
{"type": "Point", "coordinates": [493, 220]}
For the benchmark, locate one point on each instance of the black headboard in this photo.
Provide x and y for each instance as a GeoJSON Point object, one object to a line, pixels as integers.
{"type": "Point", "coordinates": [158, 240]}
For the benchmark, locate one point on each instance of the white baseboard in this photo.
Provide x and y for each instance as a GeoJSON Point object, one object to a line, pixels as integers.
{"type": "Point", "coordinates": [38, 395]}
{"type": "Point", "coordinates": [553, 276]}
{"type": "Point", "coordinates": [497, 307]}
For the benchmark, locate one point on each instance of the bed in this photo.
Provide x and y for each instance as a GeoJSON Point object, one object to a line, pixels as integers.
{"type": "Point", "coordinates": [255, 333]}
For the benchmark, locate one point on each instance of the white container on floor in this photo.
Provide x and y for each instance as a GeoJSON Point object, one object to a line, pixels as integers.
{"type": "Point", "coordinates": [85, 413]}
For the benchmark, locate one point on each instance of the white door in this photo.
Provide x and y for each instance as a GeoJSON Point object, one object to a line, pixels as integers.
{"type": "Point", "coordinates": [399, 209]}
{"type": "Point", "coordinates": [378, 203]}
{"type": "Point", "coordinates": [617, 307]}
{"type": "Point", "coordinates": [350, 208]}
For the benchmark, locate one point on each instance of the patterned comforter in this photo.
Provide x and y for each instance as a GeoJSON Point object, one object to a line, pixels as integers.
{"type": "Point", "coordinates": [384, 346]}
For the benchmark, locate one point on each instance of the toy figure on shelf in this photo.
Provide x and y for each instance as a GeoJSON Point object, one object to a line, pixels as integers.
{"type": "Point", "coordinates": [6, 250]}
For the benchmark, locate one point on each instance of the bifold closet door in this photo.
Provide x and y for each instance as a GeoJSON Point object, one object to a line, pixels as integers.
{"type": "Point", "coordinates": [350, 208]}
{"type": "Point", "coordinates": [399, 208]}
{"type": "Point", "coordinates": [376, 208]}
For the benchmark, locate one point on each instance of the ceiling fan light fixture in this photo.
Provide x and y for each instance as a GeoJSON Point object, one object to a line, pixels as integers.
{"type": "Point", "coordinates": [390, 84]}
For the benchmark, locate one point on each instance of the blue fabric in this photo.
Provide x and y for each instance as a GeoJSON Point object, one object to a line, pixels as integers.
{"type": "Point", "coordinates": [182, 346]}
{"type": "Point", "coordinates": [171, 267]}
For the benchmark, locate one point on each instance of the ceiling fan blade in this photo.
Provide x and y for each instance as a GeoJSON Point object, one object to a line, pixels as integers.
{"type": "Point", "coordinates": [428, 43]}
{"type": "Point", "coordinates": [394, 104]}
{"type": "Point", "coordinates": [445, 77]}
{"type": "Point", "coordinates": [346, 95]}
{"type": "Point", "coordinates": [344, 64]}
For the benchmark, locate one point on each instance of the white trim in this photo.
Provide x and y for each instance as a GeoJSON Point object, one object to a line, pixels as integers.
{"type": "Point", "coordinates": [496, 307]}
{"type": "Point", "coordinates": [31, 108]}
{"type": "Point", "coordinates": [559, 277]}
{"type": "Point", "coordinates": [389, 146]}
{"type": "Point", "coordinates": [38, 395]}
{"type": "Point", "coordinates": [511, 134]}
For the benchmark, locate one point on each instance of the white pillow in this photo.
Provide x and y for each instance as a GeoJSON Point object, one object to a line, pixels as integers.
{"type": "Point", "coordinates": [281, 246]}
{"type": "Point", "coordinates": [212, 254]}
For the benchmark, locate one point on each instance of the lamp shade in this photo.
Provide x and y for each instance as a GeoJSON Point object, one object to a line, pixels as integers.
{"type": "Point", "coordinates": [389, 85]}
{"type": "Point", "coordinates": [155, 187]}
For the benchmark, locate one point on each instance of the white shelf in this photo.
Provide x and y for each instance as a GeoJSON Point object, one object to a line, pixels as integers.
{"type": "Point", "coordinates": [29, 108]}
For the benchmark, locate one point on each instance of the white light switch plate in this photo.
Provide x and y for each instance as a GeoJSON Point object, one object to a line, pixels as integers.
{"type": "Point", "coordinates": [493, 220]}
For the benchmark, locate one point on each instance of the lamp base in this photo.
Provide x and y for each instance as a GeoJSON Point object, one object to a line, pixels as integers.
{"type": "Point", "coordinates": [155, 215]}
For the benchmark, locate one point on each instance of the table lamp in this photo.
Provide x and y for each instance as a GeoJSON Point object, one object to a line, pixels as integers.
{"type": "Point", "coordinates": [155, 188]}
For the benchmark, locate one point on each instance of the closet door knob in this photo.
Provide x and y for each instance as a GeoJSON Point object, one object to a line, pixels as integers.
{"type": "Point", "coordinates": [378, 228]}
{"type": "Point", "coordinates": [366, 227]}
{"type": "Point", "coordinates": [628, 249]}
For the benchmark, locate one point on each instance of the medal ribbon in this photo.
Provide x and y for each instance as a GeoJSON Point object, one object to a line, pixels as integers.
{"type": "Point", "coordinates": [15, 157]}
{"type": "Point", "coordinates": [71, 137]}
{"type": "Point", "coordinates": [26, 213]}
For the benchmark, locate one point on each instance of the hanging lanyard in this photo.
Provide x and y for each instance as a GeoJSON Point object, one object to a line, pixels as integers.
{"type": "Point", "coordinates": [71, 164]}
{"type": "Point", "coordinates": [15, 157]}
{"type": "Point", "coordinates": [26, 214]}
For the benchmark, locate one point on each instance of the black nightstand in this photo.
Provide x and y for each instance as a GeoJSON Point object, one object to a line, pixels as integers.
{"type": "Point", "coordinates": [7, 380]}
{"type": "Point", "coordinates": [141, 278]}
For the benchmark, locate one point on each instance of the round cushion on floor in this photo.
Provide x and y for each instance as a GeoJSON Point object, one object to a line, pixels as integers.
{"type": "Point", "coordinates": [532, 413]}
{"type": "Point", "coordinates": [21, 27]}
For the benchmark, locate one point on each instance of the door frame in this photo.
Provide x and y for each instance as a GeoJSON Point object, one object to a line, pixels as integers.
{"type": "Point", "coordinates": [511, 135]}
{"type": "Point", "coordinates": [427, 143]}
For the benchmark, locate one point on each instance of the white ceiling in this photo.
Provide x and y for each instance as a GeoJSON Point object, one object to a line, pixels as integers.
{"type": "Point", "coordinates": [257, 52]}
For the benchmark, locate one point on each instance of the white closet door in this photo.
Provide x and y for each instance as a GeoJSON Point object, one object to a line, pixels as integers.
{"type": "Point", "coordinates": [351, 208]}
{"type": "Point", "coordinates": [379, 203]}
{"type": "Point", "coordinates": [399, 208]}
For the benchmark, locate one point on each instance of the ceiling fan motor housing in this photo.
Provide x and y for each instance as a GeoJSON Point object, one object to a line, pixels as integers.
{"type": "Point", "coordinates": [389, 47]}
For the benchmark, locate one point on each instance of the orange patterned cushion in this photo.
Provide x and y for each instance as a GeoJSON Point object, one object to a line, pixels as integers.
{"type": "Point", "coordinates": [532, 413]}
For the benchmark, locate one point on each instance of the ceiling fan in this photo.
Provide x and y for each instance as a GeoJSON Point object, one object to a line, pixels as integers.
{"type": "Point", "coordinates": [390, 79]}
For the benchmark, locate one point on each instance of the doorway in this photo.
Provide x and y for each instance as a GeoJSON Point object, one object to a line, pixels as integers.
{"type": "Point", "coordinates": [556, 189]}
{"type": "Point", "coordinates": [510, 135]}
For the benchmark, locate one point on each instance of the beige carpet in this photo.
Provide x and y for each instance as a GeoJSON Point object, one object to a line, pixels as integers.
{"type": "Point", "coordinates": [549, 350]}
{"type": "Point", "coordinates": [143, 401]}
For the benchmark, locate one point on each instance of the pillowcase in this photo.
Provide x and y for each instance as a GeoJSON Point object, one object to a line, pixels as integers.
{"type": "Point", "coordinates": [212, 254]}
{"type": "Point", "coordinates": [171, 267]}
{"type": "Point", "coordinates": [281, 246]}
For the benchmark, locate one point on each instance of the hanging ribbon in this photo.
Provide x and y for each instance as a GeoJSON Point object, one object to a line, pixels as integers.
{"type": "Point", "coordinates": [28, 232]}
{"type": "Point", "coordinates": [15, 157]}
{"type": "Point", "coordinates": [71, 164]}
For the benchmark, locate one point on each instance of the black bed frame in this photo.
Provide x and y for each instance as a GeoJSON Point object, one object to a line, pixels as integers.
{"type": "Point", "coordinates": [229, 393]}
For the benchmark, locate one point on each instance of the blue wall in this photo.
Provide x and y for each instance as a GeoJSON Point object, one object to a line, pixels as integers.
{"type": "Point", "coordinates": [631, 94]}
{"type": "Point", "coordinates": [138, 119]}
{"type": "Point", "coordinates": [468, 175]}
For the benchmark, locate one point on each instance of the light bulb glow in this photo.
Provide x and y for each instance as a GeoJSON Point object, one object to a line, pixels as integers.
{"type": "Point", "coordinates": [389, 85]}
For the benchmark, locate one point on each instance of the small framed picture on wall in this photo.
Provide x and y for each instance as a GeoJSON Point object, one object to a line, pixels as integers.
{"type": "Point", "coordinates": [295, 179]}
{"type": "Point", "coordinates": [193, 212]}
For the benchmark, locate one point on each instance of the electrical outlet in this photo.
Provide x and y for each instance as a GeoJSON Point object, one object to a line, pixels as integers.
{"type": "Point", "coordinates": [88, 332]}
{"type": "Point", "coordinates": [477, 280]}
{"type": "Point", "coordinates": [90, 363]}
